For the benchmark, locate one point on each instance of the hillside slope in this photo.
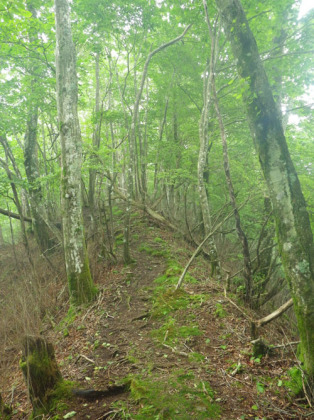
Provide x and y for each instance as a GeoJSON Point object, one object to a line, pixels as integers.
{"type": "Point", "coordinates": [178, 355]}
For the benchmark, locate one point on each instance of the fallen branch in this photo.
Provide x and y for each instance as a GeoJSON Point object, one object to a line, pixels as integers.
{"type": "Point", "coordinates": [238, 308]}
{"type": "Point", "coordinates": [236, 370]}
{"type": "Point", "coordinates": [140, 317]}
{"type": "Point", "coordinates": [143, 207]}
{"type": "Point", "coordinates": [180, 353]}
{"type": "Point", "coordinates": [263, 321]}
{"type": "Point", "coordinates": [293, 343]}
{"type": "Point", "coordinates": [86, 358]}
{"type": "Point", "coordinates": [274, 314]}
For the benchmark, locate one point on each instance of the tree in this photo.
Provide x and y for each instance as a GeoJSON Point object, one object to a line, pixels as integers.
{"type": "Point", "coordinates": [202, 166]}
{"type": "Point", "coordinates": [31, 151]}
{"type": "Point", "coordinates": [77, 266]}
{"type": "Point", "coordinates": [293, 227]}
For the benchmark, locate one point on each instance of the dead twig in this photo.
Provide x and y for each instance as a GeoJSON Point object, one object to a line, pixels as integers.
{"type": "Point", "coordinates": [86, 358]}
{"type": "Point", "coordinates": [292, 343]}
{"type": "Point", "coordinates": [180, 353]}
{"type": "Point", "coordinates": [238, 308]}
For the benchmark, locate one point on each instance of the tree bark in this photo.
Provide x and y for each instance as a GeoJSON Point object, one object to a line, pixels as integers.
{"type": "Point", "coordinates": [40, 370]}
{"type": "Point", "coordinates": [295, 238]}
{"type": "Point", "coordinates": [31, 153]}
{"type": "Point", "coordinates": [77, 265]}
{"type": "Point", "coordinates": [96, 140]}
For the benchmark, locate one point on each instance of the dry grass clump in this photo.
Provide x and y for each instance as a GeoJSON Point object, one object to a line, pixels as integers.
{"type": "Point", "coordinates": [28, 296]}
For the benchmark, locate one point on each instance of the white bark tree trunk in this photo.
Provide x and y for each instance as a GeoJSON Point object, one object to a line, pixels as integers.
{"type": "Point", "coordinates": [77, 266]}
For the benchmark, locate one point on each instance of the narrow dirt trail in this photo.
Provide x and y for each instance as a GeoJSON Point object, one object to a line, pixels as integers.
{"type": "Point", "coordinates": [191, 349]}
{"type": "Point", "coordinates": [181, 355]}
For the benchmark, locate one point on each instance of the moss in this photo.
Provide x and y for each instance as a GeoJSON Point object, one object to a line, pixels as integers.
{"type": "Point", "coordinates": [153, 251]}
{"type": "Point", "coordinates": [170, 300]}
{"type": "Point", "coordinates": [81, 287]}
{"type": "Point", "coordinates": [305, 319]}
{"type": "Point", "coordinates": [40, 371]}
{"type": "Point", "coordinates": [295, 383]}
{"type": "Point", "coordinates": [59, 396]}
{"type": "Point", "coordinates": [180, 395]}
{"type": "Point", "coordinates": [159, 241]}
{"type": "Point", "coordinates": [173, 332]}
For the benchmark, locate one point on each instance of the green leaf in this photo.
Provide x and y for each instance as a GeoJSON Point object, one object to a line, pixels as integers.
{"type": "Point", "coordinates": [260, 387]}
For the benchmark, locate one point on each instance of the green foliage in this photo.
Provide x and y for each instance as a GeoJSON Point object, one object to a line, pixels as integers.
{"type": "Point", "coordinates": [260, 387]}
{"type": "Point", "coordinates": [68, 320]}
{"type": "Point", "coordinates": [220, 311]}
{"type": "Point", "coordinates": [295, 383]}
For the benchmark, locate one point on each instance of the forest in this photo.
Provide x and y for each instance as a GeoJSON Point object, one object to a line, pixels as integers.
{"type": "Point", "coordinates": [156, 209]}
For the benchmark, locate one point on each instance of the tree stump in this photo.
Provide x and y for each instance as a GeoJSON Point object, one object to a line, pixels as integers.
{"type": "Point", "coordinates": [5, 411]}
{"type": "Point", "coordinates": [40, 370]}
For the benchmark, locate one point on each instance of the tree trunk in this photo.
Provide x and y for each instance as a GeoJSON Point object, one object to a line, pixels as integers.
{"type": "Point", "coordinates": [131, 168]}
{"type": "Point", "coordinates": [247, 266]}
{"type": "Point", "coordinates": [31, 156]}
{"type": "Point", "coordinates": [17, 204]}
{"type": "Point", "coordinates": [293, 227]}
{"type": "Point", "coordinates": [77, 265]}
{"type": "Point", "coordinates": [40, 370]}
{"type": "Point", "coordinates": [202, 166]}
{"type": "Point", "coordinates": [96, 141]}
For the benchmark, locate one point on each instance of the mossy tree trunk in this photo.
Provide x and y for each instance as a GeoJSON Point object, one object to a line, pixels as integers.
{"type": "Point", "coordinates": [40, 370]}
{"type": "Point", "coordinates": [295, 238]}
{"type": "Point", "coordinates": [77, 265]}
